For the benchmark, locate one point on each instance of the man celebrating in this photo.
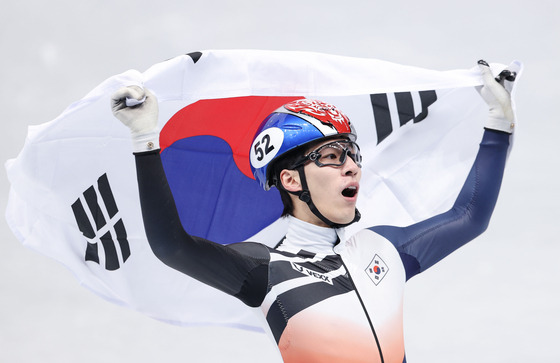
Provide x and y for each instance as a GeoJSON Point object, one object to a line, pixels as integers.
{"type": "Point", "coordinates": [326, 297]}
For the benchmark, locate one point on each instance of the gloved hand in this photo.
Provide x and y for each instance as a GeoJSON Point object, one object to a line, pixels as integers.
{"type": "Point", "coordinates": [501, 116]}
{"type": "Point", "coordinates": [137, 108]}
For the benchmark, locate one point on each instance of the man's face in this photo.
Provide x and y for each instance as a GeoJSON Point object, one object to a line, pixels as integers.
{"type": "Point", "coordinates": [334, 189]}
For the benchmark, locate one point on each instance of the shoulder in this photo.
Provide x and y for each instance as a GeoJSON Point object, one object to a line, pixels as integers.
{"type": "Point", "coordinates": [251, 249]}
{"type": "Point", "coordinates": [367, 240]}
{"type": "Point", "coordinates": [384, 244]}
{"type": "Point", "coordinates": [380, 234]}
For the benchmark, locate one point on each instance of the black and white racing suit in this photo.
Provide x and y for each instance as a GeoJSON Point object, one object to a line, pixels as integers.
{"type": "Point", "coordinates": [325, 298]}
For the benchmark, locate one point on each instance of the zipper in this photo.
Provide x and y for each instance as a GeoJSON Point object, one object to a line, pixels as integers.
{"type": "Point", "coordinates": [365, 310]}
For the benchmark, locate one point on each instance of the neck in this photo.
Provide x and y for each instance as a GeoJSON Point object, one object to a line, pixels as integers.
{"type": "Point", "coordinates": [308, 216]}
{"type": "Point", "coordinates": [303, 235]}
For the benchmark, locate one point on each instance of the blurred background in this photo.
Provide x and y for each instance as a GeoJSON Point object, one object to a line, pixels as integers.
{"type": "Point", "coordinates": [496, 300]}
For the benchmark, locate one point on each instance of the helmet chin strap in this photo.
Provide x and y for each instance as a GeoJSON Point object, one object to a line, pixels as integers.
{"type": "Point", "coordinates": [305, 196]}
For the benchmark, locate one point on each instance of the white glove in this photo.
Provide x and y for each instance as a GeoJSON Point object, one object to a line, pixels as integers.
{"type": "Point", "coordinates": [137, 108]}
{"type": "Point", "coordinates": [501, 116]}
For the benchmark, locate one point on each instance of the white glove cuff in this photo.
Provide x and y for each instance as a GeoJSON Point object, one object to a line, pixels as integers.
{"type": "Point", "coordinates": [145, 142]}
{"type": "Point", "coordinates": [500, 124]}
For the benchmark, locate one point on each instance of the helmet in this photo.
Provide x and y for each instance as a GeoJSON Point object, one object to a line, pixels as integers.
{"type": "Point", "coordinates": [295, 124]}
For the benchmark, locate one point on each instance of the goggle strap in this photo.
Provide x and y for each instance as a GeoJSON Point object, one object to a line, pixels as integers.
{"type": "Point", "coordinates": [305, 196]}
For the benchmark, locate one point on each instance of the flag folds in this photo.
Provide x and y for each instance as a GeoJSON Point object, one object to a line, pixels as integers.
{"type": "Point", "coordinates": [74, 195]}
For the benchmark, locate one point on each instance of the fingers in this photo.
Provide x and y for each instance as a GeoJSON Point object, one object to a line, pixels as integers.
{"type": "Point", "coordinates": [120, 97]}
{"type": "Point", "coordinates": [497, 96]}
{"type": "Point", "coordinates": [493, 84]}
{"type": "Point", "coordinates": [508, 74]}
{"type": "Point", "coordinates": [486, 72]}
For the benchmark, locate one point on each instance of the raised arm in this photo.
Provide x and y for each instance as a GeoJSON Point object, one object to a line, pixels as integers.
{"type": "Point", "coordinates": [423, 244]}
{"type": "Point", "coordinates": [230, 269]}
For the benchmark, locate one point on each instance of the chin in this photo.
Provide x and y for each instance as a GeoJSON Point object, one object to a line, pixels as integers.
{"type": "Point", "coordinates": [346, 218]}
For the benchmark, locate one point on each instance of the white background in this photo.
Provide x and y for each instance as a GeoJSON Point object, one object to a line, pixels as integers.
{"type": "Point", "coordinates": [496, 300]}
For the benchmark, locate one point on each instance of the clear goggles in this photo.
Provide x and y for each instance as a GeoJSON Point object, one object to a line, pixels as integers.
{"type": "Point", "coordinates": [333, 154]}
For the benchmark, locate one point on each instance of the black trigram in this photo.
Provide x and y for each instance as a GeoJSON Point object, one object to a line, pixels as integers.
{"type": "Point", "coordinates": [100, 223]}
{"type": "Point", "coordinates": [404, 107]}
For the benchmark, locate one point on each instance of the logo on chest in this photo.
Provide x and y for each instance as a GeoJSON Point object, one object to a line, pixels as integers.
{"type": "Point", "coordinates": [311, 273]}
{"type": "Point", "coordinates": [377, 269]}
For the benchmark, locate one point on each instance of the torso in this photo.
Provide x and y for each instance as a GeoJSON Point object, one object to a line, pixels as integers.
{"type": "Point", "coordinates": [318, 312]}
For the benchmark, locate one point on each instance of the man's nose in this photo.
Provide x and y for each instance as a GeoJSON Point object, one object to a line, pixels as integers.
{"type": "Point", "coordinates": [350, 167]}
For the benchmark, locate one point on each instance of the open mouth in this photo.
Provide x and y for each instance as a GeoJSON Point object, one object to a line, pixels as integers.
{"type": "Point", "coordinates": [350, 192]}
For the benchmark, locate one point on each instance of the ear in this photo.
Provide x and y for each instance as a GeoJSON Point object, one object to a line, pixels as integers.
{"type": "Point", "coordinates": [290, 180]}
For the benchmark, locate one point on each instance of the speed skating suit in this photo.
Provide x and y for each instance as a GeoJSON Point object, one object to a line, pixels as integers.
{"type": "Point", "coordinates": [325, 298]}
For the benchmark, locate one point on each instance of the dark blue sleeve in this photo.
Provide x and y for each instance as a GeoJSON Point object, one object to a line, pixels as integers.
{"type": "Point", "coordinates": [423, 244]}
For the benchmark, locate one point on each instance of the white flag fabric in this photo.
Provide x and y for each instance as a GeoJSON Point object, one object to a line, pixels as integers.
{"type": "Point", "coordinates": [74, 193]}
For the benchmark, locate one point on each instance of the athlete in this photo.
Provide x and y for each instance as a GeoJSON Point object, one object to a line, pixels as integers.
{"type": "Point", "coordinates": [325, 297]}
